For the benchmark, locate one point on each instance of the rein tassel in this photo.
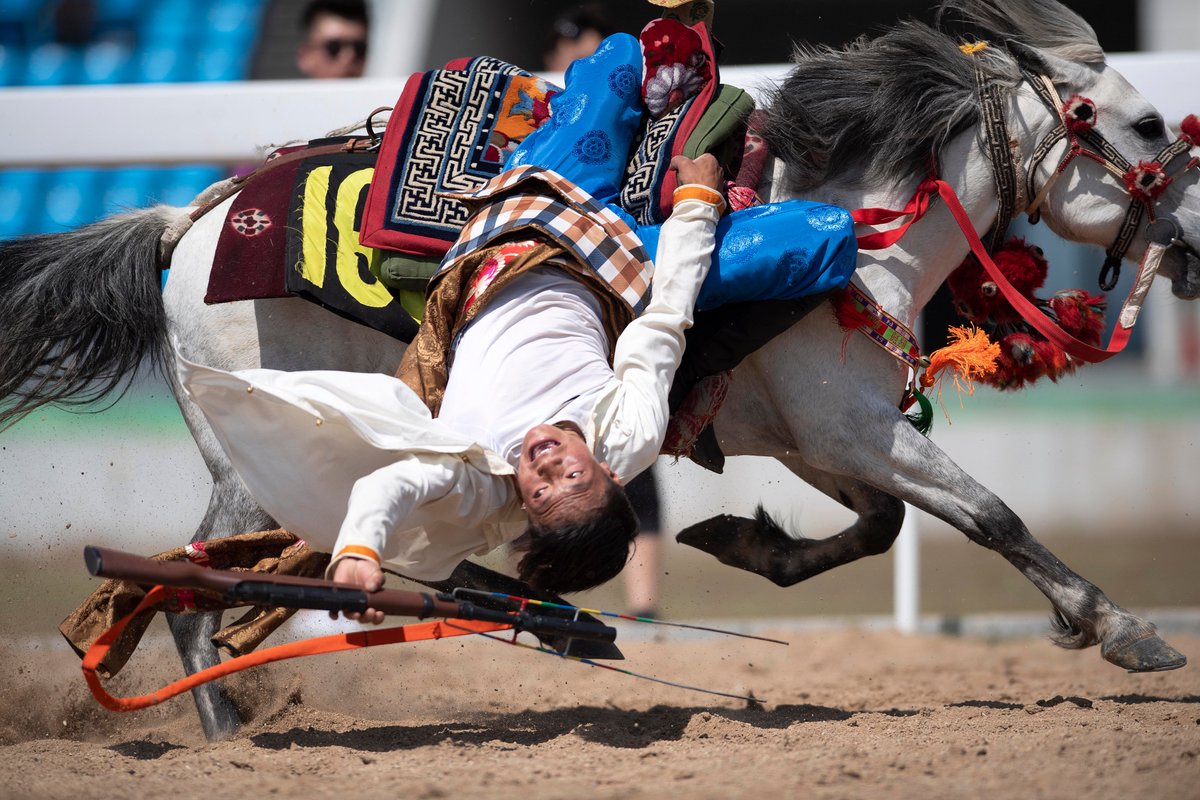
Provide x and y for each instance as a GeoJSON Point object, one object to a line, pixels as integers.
{"type": "Point", "coordinates": [971, 354]}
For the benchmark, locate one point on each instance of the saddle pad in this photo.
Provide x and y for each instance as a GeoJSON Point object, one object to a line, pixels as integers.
{"type": "Point", "coordinates": [325, 261]}
{"type": "Point", "coordinates": [451, 132]}
{"type": "Point", "coordinates": [248, 264]}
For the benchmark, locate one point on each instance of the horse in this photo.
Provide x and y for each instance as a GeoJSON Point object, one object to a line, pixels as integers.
{"type": "Point", "coordinates": [857, 126]}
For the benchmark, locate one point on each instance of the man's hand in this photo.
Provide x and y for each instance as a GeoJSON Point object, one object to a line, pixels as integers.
{"type": "Point", "coordinates": [704, 170]}
{"type": "Point", "coordinates": [364, 573]}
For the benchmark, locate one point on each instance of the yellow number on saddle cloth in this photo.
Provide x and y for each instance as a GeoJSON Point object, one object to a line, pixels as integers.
{"type": "Point", "coordinates": [328, 265]}
{"type": "Point", "coordinates": [347, 249]}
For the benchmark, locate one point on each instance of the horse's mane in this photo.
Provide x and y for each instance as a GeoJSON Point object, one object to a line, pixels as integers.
{"type": "Point", "coordinates": [879, 109]}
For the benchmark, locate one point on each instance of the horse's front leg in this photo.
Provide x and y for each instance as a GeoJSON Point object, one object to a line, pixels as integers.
{"type": "Point", "coordinates": [884, 450]}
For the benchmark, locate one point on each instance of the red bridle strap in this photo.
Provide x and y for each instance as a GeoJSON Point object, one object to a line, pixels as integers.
{"type": "Point", "coordinates": [917, 207]}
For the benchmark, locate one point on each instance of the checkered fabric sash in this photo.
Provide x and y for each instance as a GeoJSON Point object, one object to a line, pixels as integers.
{"type": "Point", "coordinates": [558, 209]}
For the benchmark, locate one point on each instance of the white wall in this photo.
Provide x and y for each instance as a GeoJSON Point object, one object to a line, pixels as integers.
{"type": "Point", "coordinates": [1168, 25]}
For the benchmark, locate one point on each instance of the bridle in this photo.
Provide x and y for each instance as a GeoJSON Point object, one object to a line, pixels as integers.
{"type": "Point", "coordinates": [1144, 182]}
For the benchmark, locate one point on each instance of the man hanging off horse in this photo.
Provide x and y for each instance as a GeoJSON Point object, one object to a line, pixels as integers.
{"type": "Point", "coordinates": [539, 380]}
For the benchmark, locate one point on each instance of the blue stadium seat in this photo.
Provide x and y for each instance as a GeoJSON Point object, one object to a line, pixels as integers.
{"type": "Point", "coordinates": [126, 11]}
{"type": "Point", "coordinates": [106, 62]}
{"type": "Point", "coordinates": [222, 63]}
{"type": "Point", "coordinates": [15, 16]}
{"type": "Point", "coordinates": [11, 66]}
{"type": "Point", "coordinates": [234, 19]}
{"type": "Point", "coordinates": [169, 22]}
{"type": "Point", "coordinates": [52, 65]}
{"type": "Point", "coordinates": [160, 64]}
{"type": "Point", "coordinates": [180, 185]}
{"type": "Point", "coordinates": [72, 199]}
{"type": "Point", "coordinates": [18, 10]}
{"type": "Point", "coordinates": [128, 188]}
{"type": "Point", "coordinates": [20, 196]}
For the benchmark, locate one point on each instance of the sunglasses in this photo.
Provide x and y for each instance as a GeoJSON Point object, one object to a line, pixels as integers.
{"type": "Point", "coordinates": [333, 47]}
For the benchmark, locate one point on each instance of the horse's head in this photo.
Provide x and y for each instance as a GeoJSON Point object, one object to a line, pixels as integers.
{"type": "Point", "coordinates": [1116, 175]}
{"type": "Point", "coordinates": [1099, 163]}
{"type": "Point", "coordinates": [878, 113]}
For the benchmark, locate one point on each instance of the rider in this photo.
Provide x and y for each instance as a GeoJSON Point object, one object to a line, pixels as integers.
{"type": "Point", "coordinates": [529, 327]}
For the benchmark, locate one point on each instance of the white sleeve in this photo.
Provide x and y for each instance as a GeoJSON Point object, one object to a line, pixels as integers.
{"type": "Point", "coordinates": [394, 497]}
{"type": "Point", "coordinates": [632, 421]}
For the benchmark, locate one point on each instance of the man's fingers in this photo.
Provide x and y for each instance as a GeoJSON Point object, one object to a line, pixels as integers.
{"type": "Point", "coordinates": [706, 161]}
{"type": "Point", "coordinates": [703, 170]}
{"type": "Point", "coordinates": [363, 573]}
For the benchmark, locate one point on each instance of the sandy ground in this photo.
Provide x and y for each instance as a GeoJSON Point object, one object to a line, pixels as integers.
{"type": "Point", "coordinates": [844, 714]}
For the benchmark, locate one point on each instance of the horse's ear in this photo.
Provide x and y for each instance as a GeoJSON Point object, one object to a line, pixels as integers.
{"type": "Point", "coordinates": [1028, 58]}
{"type": "Point", "coordinates": [1056, 68]}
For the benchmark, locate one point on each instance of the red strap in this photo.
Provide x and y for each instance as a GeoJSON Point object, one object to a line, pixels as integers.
{"type": "Point", "coordinates": [1029, 312]}
{"type": "Point", "coordinates": [440, 629]}
{"type": "Point", "coordinates": [917, 207]}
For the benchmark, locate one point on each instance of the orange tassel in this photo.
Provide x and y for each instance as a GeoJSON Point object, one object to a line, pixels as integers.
{"type": "Point", "coordinates": [971, 354]}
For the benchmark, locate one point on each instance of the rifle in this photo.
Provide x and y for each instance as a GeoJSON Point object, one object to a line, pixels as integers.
{"type": "Point", "coordinates": [247, 588]}
{"type": "Point", "coordinates": [459, 616]}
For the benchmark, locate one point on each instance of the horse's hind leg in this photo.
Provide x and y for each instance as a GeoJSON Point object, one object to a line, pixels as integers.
{"type": "Point", "coordinates": [884, 450]}
{"type": "Point", "coordinates": [231, 510]}
{"type": "Point", "coordinates": [761, 546]}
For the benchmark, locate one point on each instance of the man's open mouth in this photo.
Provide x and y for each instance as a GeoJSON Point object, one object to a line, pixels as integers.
{"type": "Point", "coordinates": [542, 446]}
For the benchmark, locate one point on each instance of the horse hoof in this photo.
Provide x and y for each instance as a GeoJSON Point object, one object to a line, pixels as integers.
{"type": "Point", "coordinates": [713, 535]}
{"type": "Point", "coordinates": [1145, 653]}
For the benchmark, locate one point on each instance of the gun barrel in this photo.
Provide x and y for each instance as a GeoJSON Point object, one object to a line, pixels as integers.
{"type": "Point", "coordinates": [252, 588]}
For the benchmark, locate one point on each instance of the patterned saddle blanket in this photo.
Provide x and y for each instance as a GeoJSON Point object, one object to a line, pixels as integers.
{"type": "Point", "coordinates": [452, 131]}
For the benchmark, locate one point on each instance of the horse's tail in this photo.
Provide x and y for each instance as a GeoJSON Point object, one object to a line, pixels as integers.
{"type": "Point", "coordinates": [79, 311]}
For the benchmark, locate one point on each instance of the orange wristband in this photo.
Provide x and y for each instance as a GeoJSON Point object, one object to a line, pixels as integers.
{"type": "Point", "coordinates": [698, 191]}
{"type": "Point", "coordinates": [359, 551]}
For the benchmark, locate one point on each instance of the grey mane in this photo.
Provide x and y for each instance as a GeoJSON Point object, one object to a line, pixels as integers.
{"type": "Point", "coordinates": [879, 109]}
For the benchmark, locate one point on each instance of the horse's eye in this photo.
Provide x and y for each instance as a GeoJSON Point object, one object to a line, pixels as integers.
{"type": "Point", "coordinates": [1150, 127]}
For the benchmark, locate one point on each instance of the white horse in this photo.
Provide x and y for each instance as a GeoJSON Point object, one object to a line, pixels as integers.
{"type": "Point", "coordinates": [857, 128]}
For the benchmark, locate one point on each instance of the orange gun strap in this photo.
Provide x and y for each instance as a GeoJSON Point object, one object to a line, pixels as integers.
{"type": "Point", "coordinates": [416, 632]}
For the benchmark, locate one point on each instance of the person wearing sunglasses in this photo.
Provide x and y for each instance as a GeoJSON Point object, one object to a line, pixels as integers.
{"type": "Point", "coordinates": [335, 39]}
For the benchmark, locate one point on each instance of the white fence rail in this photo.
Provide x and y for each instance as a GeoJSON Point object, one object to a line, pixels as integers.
{"type": "Point", "coordinates": [179, 123]}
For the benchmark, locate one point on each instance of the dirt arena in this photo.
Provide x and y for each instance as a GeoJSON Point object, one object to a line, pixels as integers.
{"type": "Point", "coordinates": [843, 714]}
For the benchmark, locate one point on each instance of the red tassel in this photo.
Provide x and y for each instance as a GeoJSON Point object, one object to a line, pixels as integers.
{"type": "Point", "coordinates": [1190, 129]}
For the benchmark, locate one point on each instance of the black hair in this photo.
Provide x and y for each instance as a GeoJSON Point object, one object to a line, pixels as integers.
{"type": "Point", "coordinates": [583, 553]}
{"type": "Point", "coordinates": [353, 10]}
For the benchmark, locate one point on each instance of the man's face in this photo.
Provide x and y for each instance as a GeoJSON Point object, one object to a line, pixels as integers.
{"type": "Point", "coordinates": [335, 48]}
{"type": "Point", "coordinates": [558, 476]}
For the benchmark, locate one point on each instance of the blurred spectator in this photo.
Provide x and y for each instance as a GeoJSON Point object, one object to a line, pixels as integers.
{"type": "Point", "coordinates": [574, 36]}
{"type": "Point", "coordinates": [335, 42]}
